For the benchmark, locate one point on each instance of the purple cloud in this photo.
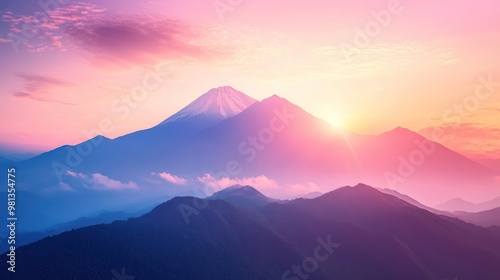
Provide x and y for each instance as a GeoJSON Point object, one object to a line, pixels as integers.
{"type": "Point", "coordinates": [36, 85]}
{"type": "Point", "coordinates": [36, 98]}
{"type": "Point", "coordinates": [143, 39]}
{"type": "Point", "coordinates": [42, 30]}
{"type": "Point", "coordinates": [114, 40]}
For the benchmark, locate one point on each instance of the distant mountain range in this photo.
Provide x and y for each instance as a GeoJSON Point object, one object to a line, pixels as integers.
{"type": "Point", "coordinates": [224, 138]}
{"type": "Point", "coordinates": [351, 233]}
{"type": "Point", "coordinates": [486, 218]}
{"type": "Point", "coordinates": [458, 204]}
{"type": "Point", "coordinates": [27, 237]}
{"type": "Point", "coordinates": [310, 195]}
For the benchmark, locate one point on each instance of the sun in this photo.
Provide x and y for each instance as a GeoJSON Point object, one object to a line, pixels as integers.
{"type": "Point", "coordinates": [335, 121]}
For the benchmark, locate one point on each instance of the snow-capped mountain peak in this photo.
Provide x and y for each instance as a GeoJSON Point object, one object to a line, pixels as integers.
{"type": "Point", "coordinates": [222, 102]}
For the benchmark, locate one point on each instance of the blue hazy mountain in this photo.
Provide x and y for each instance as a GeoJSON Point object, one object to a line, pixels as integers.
{"type": "Point", "coordinates": [66, 198]}
{"type": "Point", "coordinates": [222, 127]}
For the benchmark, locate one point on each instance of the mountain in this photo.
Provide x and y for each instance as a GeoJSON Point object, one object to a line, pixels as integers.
{"type": "Point", "coordinates": [26, 235]}
{"type": "Point", "coordinates": [310, 195]}
{"type": "Point", "coordinates": [242, 196]}
{"type": "Point", "coordinates": [218, 103]}
{"type": "Point", "coordinates": [105, 155]}
{"type": "Point", "coordinates": [486, 218]}
{"type": "Point", "coordinates": [226, 134]}
{"type": "Point", "coordinates": [207, 110]}
{"type": "Point", "coordinates": [281, 141]}
{"type": "Point", "coordinates": [274, 138]}
{"type": "Point", "coordinates": [227, 243]}
{"type": "Point", "coordinates": [24, 238]}
{"type": "Point", "coordinates": [458, 204]}
{"type": "Point", "coordinates": [408, 162]}
{"type": "Point", "coordinates": [351, 233]}
{"type": "Point", "coordinates": [491, 163]}
{"type": "Point", "coordinates": [410, 243]}
{"type": "Point", "coordinates": [10, 154]}
{"type": "Point", "coordinates": [495, 229]}
{"type": "Point", "coordinates": [114, 161]}
{"type": "Point", "coordinates": [414, 202]}
{"type": "Point", "coordinates": [32, 210]}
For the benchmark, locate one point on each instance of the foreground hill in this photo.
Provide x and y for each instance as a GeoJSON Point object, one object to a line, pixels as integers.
{"type": "Point", "coordinates": [361, 233]}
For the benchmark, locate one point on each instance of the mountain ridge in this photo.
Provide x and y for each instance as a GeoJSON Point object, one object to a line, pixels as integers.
{"type": "Point", "coordinates": [242, 196]}
{"type": "Point", "coordinates": [264, 242]}
{"type": "Point", "coordinates": [273, 139]}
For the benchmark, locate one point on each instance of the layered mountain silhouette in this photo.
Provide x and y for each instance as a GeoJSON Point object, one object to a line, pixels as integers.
{"type": "Point", "coordinates": [486, 218]}
{"type": "Point", "coordinates": [310, 195]}
{"type": "Point", "coordinates": [458, 204]}
{"type": "Point", "coordinates": [350, 233]}
{"type": "Point", "coordinates": [242, 196]}
{"type": "Point", "coordinates": [27, 237]}
{"type": "Point", "coordinates": [228, 135]}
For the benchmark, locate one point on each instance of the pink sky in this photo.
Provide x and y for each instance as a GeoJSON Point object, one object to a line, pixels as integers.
{"type": "Point", "coordinates": [415, 67]}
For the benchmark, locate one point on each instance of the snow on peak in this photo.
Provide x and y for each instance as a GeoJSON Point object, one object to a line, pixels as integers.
{"type": "Point", "coordinates": [222, 102]}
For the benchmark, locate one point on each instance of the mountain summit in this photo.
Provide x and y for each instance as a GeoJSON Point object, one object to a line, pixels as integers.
{"type": "Point", "coordinates": [242, 196]}
{"type": "Point", "coordinates": [219, 103]}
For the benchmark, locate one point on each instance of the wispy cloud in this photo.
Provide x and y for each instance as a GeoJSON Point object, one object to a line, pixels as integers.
{"type": "Point", "coordinates": [36, 98]}
{"type": "Point", "coordinates": [471, 139]}
{"type": "Point", "coordinates": [65, 187]}
{"type": "Point", "coordinates": [47, 28]}
{"type": "Point", "coordinates": [37, 85]}
{"type": "Point", "coordinates": [492, 109]}
{"type": "Point", "coordinates": [62, 187]}
{"type": "Point", "coordinates": [117, 40]}
{"type": "Point", "coordinates": [260, 182]}
{"type": "Point", "coordinates": [139, 39]}
{"type": "Point", "coordinates": [102, 182]}
{"type": "Point", "coordinates": [176, 180]}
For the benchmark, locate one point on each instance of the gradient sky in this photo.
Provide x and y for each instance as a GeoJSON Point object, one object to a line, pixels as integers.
{"type": "Point", "coordinates": [73, 65]}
